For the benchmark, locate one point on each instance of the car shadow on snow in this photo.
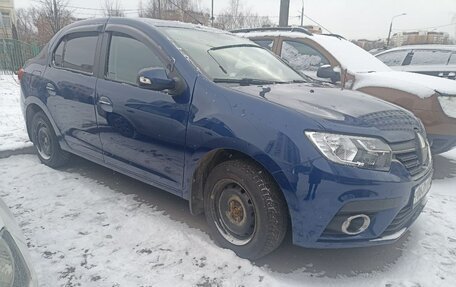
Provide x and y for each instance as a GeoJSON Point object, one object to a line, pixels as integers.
{"type": "Point", "coordinates": [444, 167]}
{"type": "Point", "coordinates": [286, 259]}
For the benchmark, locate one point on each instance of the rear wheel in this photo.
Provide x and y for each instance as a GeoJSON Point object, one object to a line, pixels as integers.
{"type": "Point", "coordinates": [46, 142]}
{"type": "Point", "coordinates": [245, 209]}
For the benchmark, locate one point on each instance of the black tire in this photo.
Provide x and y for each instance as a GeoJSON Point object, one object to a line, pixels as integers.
{"type": "Point", "coordinates": [245, 209]}
{"type": "Point", "coordinates": [46, 143]}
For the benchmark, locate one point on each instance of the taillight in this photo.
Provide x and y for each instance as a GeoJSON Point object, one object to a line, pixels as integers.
{"type": "Point", "coordinates": [20, 73]}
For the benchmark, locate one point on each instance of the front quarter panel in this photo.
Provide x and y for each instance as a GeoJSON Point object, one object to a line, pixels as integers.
{"type": "Point", "coordinates": [222, 118]}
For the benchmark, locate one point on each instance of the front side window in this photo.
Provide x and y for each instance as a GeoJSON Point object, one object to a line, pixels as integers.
{"type": "Point", "coordinates": [226, 57]}
{"type": "Point", "coordinates": [302, 57]}
{"type": "Point", "coordinates": [393, 58]}
{"type": "Point", "coordinates": [127, 56]}
{"type": "Point", "coordinates": [430, 57]}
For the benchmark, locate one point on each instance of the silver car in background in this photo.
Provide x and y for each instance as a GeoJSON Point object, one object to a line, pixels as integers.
{"type": "Point", "coordinates": [15, 268]}
{"type": "Point", "coordinates": [433, 60]}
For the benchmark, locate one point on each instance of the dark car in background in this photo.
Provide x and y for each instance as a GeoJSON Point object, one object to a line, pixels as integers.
{"type": "Point", "coordinates": [432, 60]}
{"type": "Point", "coordinates": [227, 125]}
{"type": "Point", "coordinates": [332, 58]}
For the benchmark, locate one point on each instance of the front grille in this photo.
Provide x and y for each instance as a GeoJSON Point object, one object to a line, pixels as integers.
{"type": "Point", "coordinates": [415, 160]}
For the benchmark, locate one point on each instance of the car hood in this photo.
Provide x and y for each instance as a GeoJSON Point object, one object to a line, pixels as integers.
{"type": "Point", "coordinates": [420, 85]}
{"type": "Point", "coordinates": [341, 110]}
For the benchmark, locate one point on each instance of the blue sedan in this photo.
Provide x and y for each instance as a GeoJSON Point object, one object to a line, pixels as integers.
{"type": "Point", "coordinates": [222, 122]}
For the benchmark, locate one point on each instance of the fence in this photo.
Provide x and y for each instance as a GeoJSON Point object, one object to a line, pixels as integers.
{"type": "Point", "coordinates": [14, 53]}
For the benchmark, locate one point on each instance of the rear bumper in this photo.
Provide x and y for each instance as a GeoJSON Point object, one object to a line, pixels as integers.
{"type": "Point", "coordinates": [386, 199]}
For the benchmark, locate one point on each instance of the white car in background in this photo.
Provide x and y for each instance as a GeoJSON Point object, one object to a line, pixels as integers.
{"type": "Point", "coordinates": [15, 268]}
{"type": "Point", "coordinates": [432, 60]}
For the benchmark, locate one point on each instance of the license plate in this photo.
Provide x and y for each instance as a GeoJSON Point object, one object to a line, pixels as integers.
{"type": "Point", "coordinates": [421, 190]}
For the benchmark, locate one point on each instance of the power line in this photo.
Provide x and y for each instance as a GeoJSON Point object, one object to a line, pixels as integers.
{"type": "Point", "coordinates": [185, 12]}
{"type": "Point", "coordinates": [317, 23]}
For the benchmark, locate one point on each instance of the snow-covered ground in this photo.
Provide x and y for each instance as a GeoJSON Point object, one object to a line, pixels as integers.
{"type": "Point", "coordinates": [88, 226]}
{"type": "Point", "coordinates": [12, 128]}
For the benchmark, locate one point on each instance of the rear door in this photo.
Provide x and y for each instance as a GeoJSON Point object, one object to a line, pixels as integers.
{"type": "Point", "coordinates": [70, 88]}
{"type": "Point", "coordinates": [142, 131]}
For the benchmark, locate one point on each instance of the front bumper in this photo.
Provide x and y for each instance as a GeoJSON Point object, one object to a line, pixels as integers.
{"type": "Point", "coordinates": [331, 193]}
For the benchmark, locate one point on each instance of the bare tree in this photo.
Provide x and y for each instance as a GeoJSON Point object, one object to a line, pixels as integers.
{"type": "Point", "coordinates": [26, 29]}
{"type": "Point", "coordinates": [235, 17]}
{"type": "Point", "coordinates": [54, 14]}
{"type": "Point", "coordinates": [178, 10]}
{"type": "Point", "coordinates": [113, 8]}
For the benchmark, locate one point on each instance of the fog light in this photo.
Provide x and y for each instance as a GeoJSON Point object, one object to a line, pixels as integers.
{"type": "Point", "coordinates": [355, 224]}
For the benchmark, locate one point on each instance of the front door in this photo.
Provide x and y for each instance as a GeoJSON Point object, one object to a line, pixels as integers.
{"type": "Point", "coordinates": [142, 131]}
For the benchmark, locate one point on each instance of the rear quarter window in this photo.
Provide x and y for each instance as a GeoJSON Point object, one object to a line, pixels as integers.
{"type": "Point", "coordinates": [265, 43]}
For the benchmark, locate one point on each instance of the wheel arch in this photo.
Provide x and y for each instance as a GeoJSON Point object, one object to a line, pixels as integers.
{"type": "Point", "coordinates": [34, 105]}
{"type": "Point", "coordinates": [219, 155]}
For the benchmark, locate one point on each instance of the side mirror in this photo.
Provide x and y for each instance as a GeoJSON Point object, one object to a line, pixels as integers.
{"type": "Point", "coordinates": [155, 79]}
{"type": "Point", "coordinates": [327, 72]}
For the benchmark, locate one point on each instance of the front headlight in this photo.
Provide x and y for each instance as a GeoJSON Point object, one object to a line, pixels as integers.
{"type": "Point", "coordinates": [364, 152]}
{"type": "Point", "coordinates": [448, 104]}
{"type": "Point", "coordinates": [13, 270]}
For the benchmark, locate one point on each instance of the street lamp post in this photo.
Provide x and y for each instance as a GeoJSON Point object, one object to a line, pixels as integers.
{"type": "Point", "coordinates": [391, 28]}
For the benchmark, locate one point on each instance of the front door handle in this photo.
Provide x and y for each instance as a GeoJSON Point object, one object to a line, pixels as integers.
{"type": "Point", "coordinates": [105, 104]}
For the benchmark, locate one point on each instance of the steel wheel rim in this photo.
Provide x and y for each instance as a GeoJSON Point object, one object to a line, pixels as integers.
{"type": "Point", "coordinates": [235, 216]}
{"type": "Point", "coordinates": [43, 141]}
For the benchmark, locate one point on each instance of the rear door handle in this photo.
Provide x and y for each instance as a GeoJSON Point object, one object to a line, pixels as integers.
{"type": "Point", "coordinates": [50, 89]}
{"type": "Point", "coordinates": [104, 101]}
{"type": "Point", "coordinates": [105, 104]}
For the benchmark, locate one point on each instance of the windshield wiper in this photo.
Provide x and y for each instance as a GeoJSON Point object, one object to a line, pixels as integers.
{"type": "Point", "coordinates": [246, 81]}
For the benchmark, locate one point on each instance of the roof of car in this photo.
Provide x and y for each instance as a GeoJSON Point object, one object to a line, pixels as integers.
{"type": "Point", "coordinates": [423, 47]}
{"type": "Point", "coordinates": [149, 21]}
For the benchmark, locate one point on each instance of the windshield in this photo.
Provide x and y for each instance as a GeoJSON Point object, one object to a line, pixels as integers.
{"type": "Point", "coordinates": [226, 57]}
{"type": "Point", "coordinates": [351, 56]}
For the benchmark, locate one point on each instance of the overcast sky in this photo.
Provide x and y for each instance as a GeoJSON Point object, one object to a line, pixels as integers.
{"type": "Point", "coordinates": [353, 19]}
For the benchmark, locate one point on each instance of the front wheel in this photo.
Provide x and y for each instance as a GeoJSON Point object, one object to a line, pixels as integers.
{"type": "Point", "coordinates": [245, 209]}
{"type": "Point", "coordinates": [46, 142]}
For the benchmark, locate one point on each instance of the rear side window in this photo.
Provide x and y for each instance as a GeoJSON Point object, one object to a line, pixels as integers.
{"type": "Point", "coordinates": [430, 57]}
{"type": "Point", "coordinates": [77, 52]}
{"type": "Point", "coordinates": [58, 55]}
{"type": "Point", "coordinates": [302, 57]}
{"type": "Point", "coordinates": [265, 43]}
{"type": "Point", "coordinates": [393, 58]}
{"type": "Point", "coordinates": [127, 56]}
